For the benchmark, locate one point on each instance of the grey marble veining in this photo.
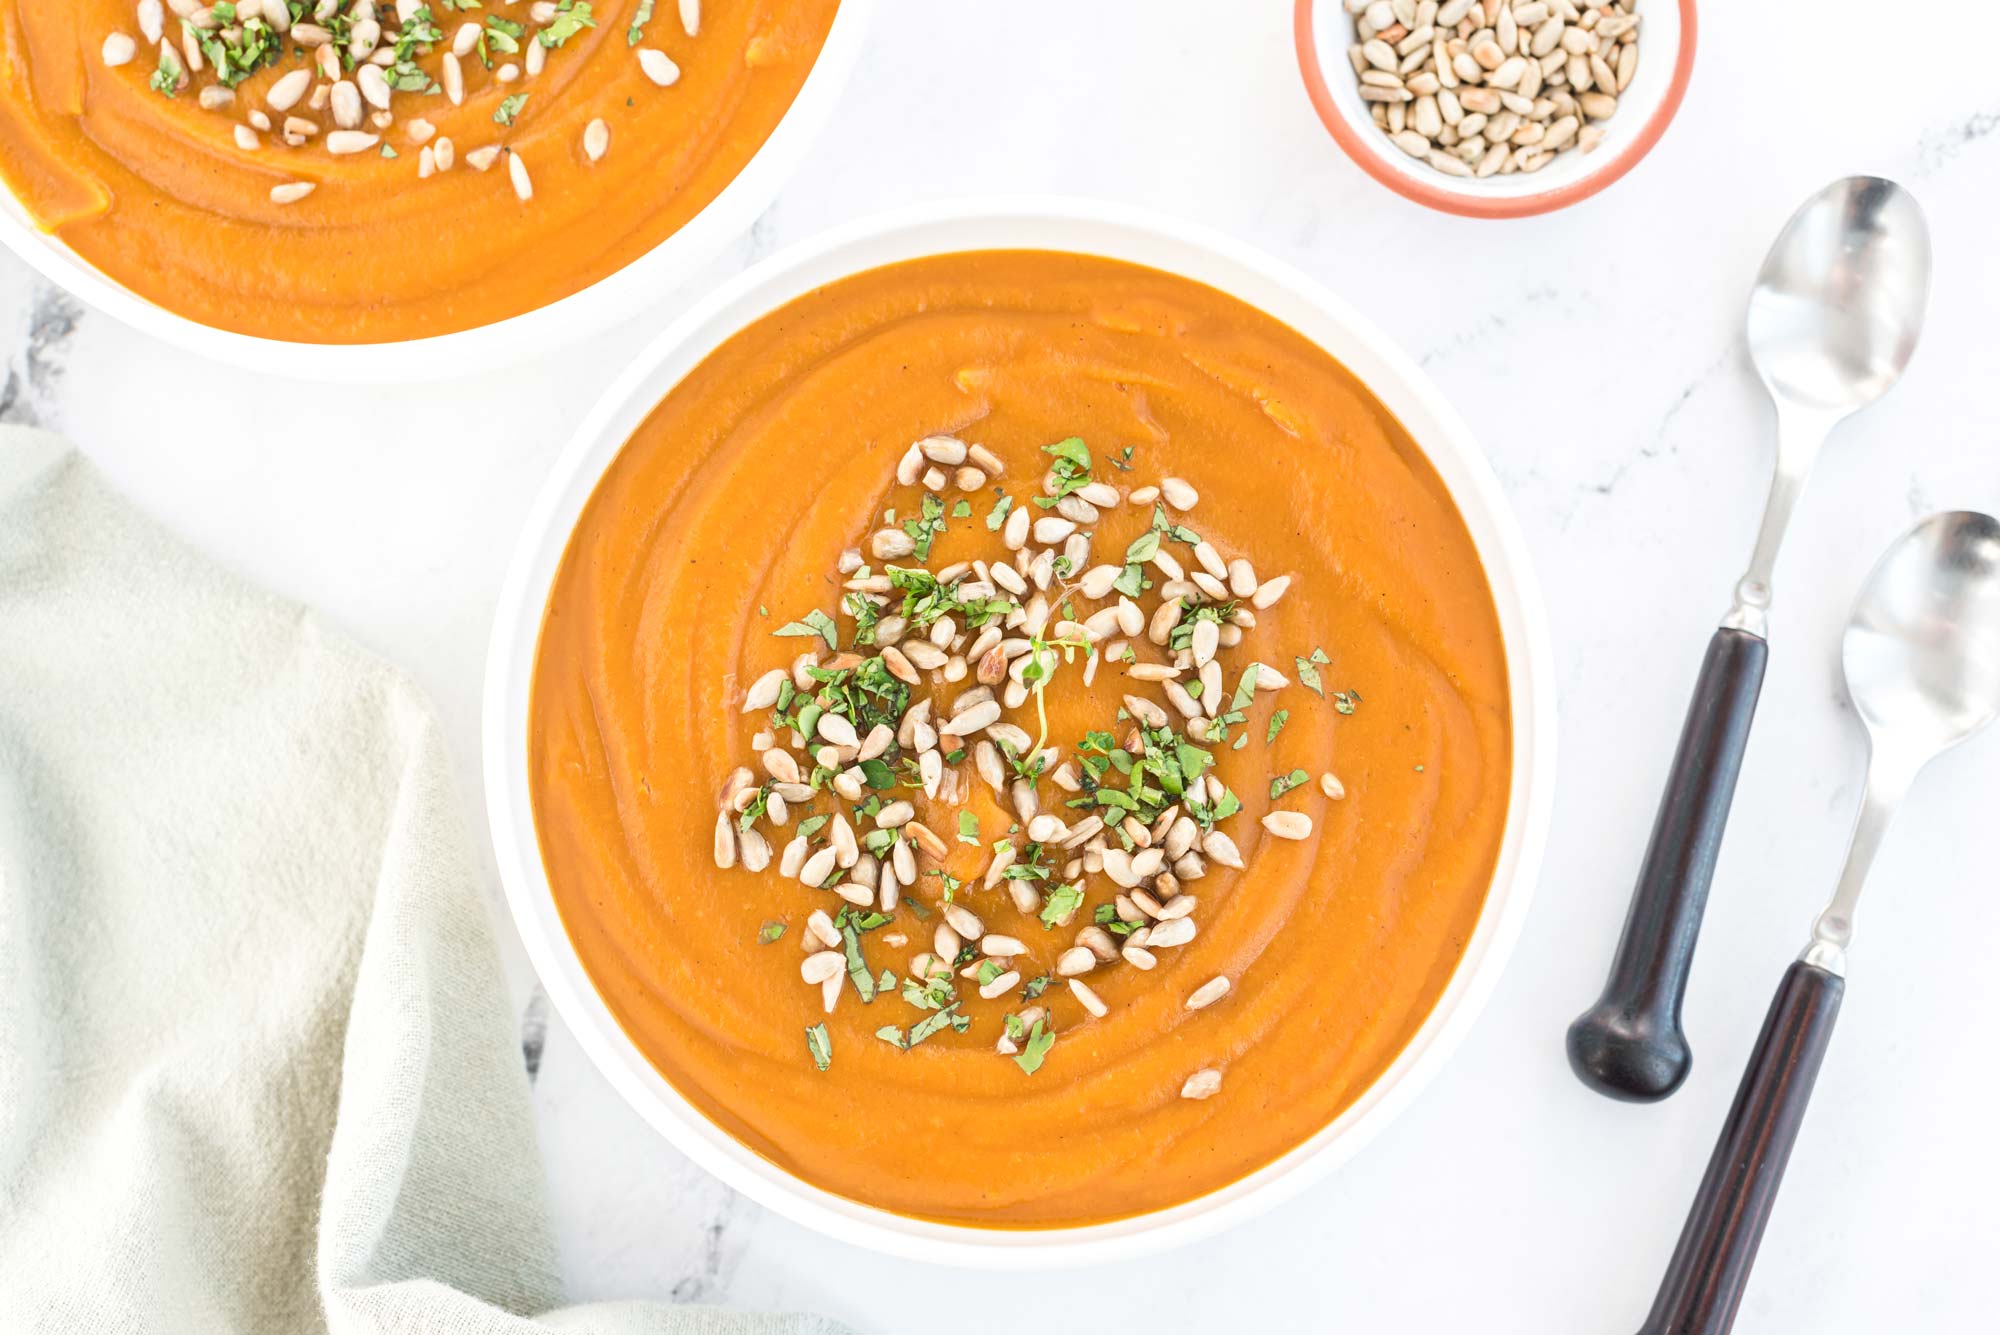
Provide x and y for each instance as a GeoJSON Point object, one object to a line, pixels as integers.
{"type": "Point", "coordinates": [28, 394]}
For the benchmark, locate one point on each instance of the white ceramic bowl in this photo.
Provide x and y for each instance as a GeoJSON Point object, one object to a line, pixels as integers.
{"type": "Point", "coordinates": [1323, 31]}
{"type": "Point", "coordinates": [620, 296]}
{"type": "Point", "coordinates": [1120, 233]}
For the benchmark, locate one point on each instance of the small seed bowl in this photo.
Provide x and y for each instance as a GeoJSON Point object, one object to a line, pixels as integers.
{"type": "Point", "coordinates": [1323, 31]}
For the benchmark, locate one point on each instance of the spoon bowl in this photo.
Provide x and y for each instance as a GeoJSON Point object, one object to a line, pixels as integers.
{"type": "Point", "coordinates": [1834, 316]}
{"type": "Point", "coordinates": [1922, 653]}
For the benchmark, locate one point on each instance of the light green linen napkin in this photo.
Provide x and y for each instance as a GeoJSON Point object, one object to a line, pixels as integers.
{"type": "Point", "coordinates": [256, 1068]}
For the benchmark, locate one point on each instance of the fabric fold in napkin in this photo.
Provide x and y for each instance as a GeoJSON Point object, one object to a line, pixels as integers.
{"type": "Point", "coordinates": [257, 1071]}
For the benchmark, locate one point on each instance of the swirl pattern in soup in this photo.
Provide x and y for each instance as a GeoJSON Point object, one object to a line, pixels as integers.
{"type": "Point", "coordinates": [1370, 818]}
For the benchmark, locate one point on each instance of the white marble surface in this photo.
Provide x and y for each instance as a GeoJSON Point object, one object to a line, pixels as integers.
{"type": "Point", "coordinates": [1597, 355]}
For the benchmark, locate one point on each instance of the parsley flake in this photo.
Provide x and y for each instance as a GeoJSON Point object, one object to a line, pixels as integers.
{"type": "Point", "coordinates": [1284, 783]}
{"type": "Point", "coordinates": [857, 967]}
{"type": "Point", "coordinates": [932, 1024]}
{"type": "Point", "coordinates": [1062, 903]}
{"type": "Point", "coordinates": [641, 16]}
{"type": "Point", "coordinates": [1278, 721]}
{"type": "Point", "coordinates": [1309, 671]}
{"type": "Point", "coordinates": [814, 622]}
{"type": "Point", "coordinates": [572, 17]}
{"type": "Point", "coordinates": [1040, 1039]}
{"type": "Point", "coordinates": [926, 529]}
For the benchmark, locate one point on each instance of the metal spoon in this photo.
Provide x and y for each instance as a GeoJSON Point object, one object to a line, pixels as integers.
{"type": "Point", "coordinates": [1922, 656]}
{"type": "Point", "coordinates": [1832, 322]}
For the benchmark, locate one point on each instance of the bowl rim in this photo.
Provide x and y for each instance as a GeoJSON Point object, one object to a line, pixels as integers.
{"type": "Point", "coordinates": [619, 296]}
{"type": "Point", "coordinates": [1447, 198]}
{"type": "Point", "coordinates": [946, 227]}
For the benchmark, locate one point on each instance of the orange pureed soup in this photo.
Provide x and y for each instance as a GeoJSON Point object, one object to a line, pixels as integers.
{"type": "Point", "coordinates": [378, 171]}
{"type": "Point", "coordinates": [1306, 799]}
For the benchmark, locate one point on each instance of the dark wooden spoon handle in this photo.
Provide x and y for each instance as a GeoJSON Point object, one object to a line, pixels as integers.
{"type": "Point", "coordinates": [1711, 1264]}
{"type": "Point", "coordinates": [1630, 1045]}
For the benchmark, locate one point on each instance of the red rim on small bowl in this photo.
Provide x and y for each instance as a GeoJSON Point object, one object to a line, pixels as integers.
{"type": "Point", "coordinates": [1446, 200]}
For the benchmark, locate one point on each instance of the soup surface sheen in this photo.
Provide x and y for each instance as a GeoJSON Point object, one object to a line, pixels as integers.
{"type": "Point", "coordinates": [724, 517]}
{"type": "Point", "coordinates": [156, 192]}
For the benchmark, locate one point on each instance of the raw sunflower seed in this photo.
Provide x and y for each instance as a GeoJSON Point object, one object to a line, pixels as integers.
{"type": "Point", "coordinates": [1202, 1084]}
{"type": "Point", "coordinates": [1208, 993]}
{"type": "Point", "coordinates": [659, 67]}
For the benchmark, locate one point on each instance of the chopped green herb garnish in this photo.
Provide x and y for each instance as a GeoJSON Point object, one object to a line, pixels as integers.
{"type": "Point", "coordinates": [1246, 687]}
{"type": "Point", "coordinates": [814, 622]}
{"type": "Point", "coordinates": [929, 994]}
{"type": "Point", "coordinates": [1284, 783]}
{"type": "Point", "coordinates": [510, 107]}
{"type": "Point", "coordinates": [998, 517]}
{"type": "Point", "coordinates": [1143, 548]}
{"type": "Point", "coordinates": [1062, 902]}
{"type": "Point", "coordinates": [1072, 457]}
{"type": "Point", "coordinates": [755, 811]}
{"type": "Point", "coordinates": [1309, 671]}
{"type": "Point", "coordinates": [931, 1024]}
{"type": "Point", "coordinates": [866, 613]}
{"type": "Point", "coordinates": [572, 17]}
{"type": "Point", "coordinates": [1040, 1040]}
{"type": "Point", "coordinates": [170, 74]}
{"type": "Point", "coordinates": [857, 967]}
{"type": "Point", "coordinates": [926, 529]}
{"type": "Point", "coordinates": [1107, 918]}
{"type": "Point", "coordinates": [1221, 809]}
{"type": "Point", "coordinates": [952, 885]}
{"type": "Point", "coordinates": [1182, 636]}
{"type": "Point", "coordinates": [502, 35]}
{"type": "Point", "coordinates": [770, 932]}
{"type": "Point", "coordinates": [820, 1046]}
{"type": "Point", "coordinates": [641, 16]}
{"type": "Point", "coordinates": [968, 828]}
{"type": "Point", "coordinates": [925, 600]}
{"type": "Point", "coordinates": [1167, 528]}
{"type": "Point", "coordinates": [1278, 721]}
